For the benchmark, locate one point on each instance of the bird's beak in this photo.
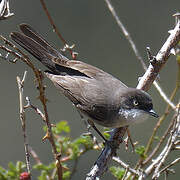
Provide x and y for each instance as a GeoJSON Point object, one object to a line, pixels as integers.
{"type": "Point", "coordinates": [153, 113]}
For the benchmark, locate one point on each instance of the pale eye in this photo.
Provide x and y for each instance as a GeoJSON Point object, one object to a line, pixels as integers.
{"type": "Point", "coordinates": [135, 102]}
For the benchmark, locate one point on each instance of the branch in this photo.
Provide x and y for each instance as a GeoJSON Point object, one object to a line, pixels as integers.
{"type": "Point", "coordinates": [161, 119]}
{"type": "Point", "coordinates": [4, 10]}
{"type": "Point", "coordinates": [155, 150]}
{"type": "Point", "coordinates": [169, 165]}
{"type": "Point", "coordinates": [23, 120]}
{"type": "Point", "coordinates": [146, 81]}
{"type": "Point", "coordinates": [126, 34]}
{"type": "Point", "coordinates": [126, 166]}
{"type": "Point", "coordinates": [39, 79]}
{"type": "Point", "coordinates": [55, 29]}
{"type": "Point", "coordinates": [159, 161]}
{"type": "Point", "coordinates": [160, 59]}
{"type": "Point", "coordinates": [136, 52]}
{"type": "Point", "coordinates": [108, 152]}
{"type": "Point", "coordinates": [29, 105]}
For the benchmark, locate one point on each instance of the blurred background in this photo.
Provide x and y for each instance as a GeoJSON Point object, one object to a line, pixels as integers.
{"type": "Point", "coordinates": [90, 26]}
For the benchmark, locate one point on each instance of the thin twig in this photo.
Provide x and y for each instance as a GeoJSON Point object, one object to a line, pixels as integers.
{"type": "Point", "coordinates": [125, 173]}
{"type": "Point", "coordinates": [159, 161]}
{"type": "Point", "coordinates": [126, 33]}
{"type": "Point", "coordinates": [163, 95]}
{"type": "Point", "coordinates": [161, 119]}
{"type": "Point", "coordinates": [35, 109]}
{"type": "Point", "coordinates": [35, 156]}
{"type": "Point", "coordinates": [5, 10]}
{"type": "Point", "coordinates": [155, 150]}
{"type": "Point", "coordinates": [169, 165]}
{"type": "Point", "coordinates": [23, 119]}
{"type": "Point", "coordinates": [136, 51]}
{"type": "Point", "coordinates": [55, 29]}
{"type": "Point", "coordinates": [139, 57]}
{"type": "Point", "coordinates": [146, 81]}
{"type": "Point", "coordinates": [39, 78]}
{"type": "Point", "coordinates": [161, 58]}
{"type": "Point", "coordinates": [126, 166]}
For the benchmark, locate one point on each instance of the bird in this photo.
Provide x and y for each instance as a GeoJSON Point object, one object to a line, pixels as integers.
{"type": "Point", "coordinates": [96, 94]}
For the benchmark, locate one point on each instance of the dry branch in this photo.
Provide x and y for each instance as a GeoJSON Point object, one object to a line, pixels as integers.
{"type": "Point", "coordinates": [145, 83]}
{"type": "Point", "coordinates": [23, 120]}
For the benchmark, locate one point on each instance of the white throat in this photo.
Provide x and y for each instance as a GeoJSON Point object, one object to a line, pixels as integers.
{"type": "Point", "coordinates": [130, 116]}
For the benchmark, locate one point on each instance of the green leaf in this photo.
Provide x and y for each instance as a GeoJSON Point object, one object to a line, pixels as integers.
{"type": "Point", "coordinates": [2, 174]}
{"type": "Point", "coordinates": [75, 151]}
{"type": "Point", "coordinates": [45, 128]}
{"type": "Point", "coordinates": [12, 172]}
{"type": "Point", "coordinates": [66, 175]}
{"type": "Point", "coordinates": [62, 126]}
{"type": "Point", "coordinates": [106, 135]}
{"type": "Point", "coordinates": [12, 167]}
{"type": "Point", "coordinates": [140, 150]}
{"type": "Point", "coordinates": [20, 166]}
{"type": "Point", "coordinates": [41, 167]}
{"type": "Point", "coordinates": [43, 175]}
{"type": "Point", "coordinates": [156, 138]}
{"type": "Point", "coordinates": [85, 141]}
{"type": "Point", "coordinates": [117, 172]}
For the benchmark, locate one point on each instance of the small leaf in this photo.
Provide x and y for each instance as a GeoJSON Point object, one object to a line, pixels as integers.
{"type": "Point", "coordinates": [156, 138]}
{"type": "Point", "coordinates": [86, 141]}
{"type": "Point", "coordinates": [140, 150]}
{"type": "Point", "coordinates": [2, 173]}
{"type": "Point", "coordinates": [20, 166]}
{"type": "Point", "coordinates": [117, 172]}
{"type": "Point", "coordinates": [66, 175]}
{"type": "Point", "coordinates": [12, 167]}
{"type": "Point", "coordinates": [62, 126]}
{"type": "Point", "coordinates": [41, 167]}
{"type": "Point", "coordinates": [43, 175]}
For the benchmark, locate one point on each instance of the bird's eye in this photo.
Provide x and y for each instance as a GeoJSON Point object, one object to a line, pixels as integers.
{"type": "Point", "coordinates": [135, 102]}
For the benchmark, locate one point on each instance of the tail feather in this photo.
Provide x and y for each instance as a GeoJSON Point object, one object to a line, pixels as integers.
{"type": "Point", "coordinates": [35, 49]}
{"type": "Point", "coordinates": [31, 33]}
{"type": "Point", "coordinates": [44, 55]}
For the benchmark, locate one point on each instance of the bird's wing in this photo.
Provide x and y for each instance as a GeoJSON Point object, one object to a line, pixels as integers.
{"type": "Point", "coordinates": [53, 59]}
{"type": "Point", "coordinates": [88, 95]}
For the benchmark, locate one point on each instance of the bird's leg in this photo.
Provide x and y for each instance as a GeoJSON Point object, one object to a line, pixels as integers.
{"type": "Point", "coordinates": [96, 129]}
{"type": "Point", "coordinates": [106, 142]}
{"type": "Point", "coordinates": [88, 126]}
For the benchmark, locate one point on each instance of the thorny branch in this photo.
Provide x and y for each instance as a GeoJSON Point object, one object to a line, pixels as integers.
{"type": "Point", "coordinates": [29, 105]}
{"type": "Point", "coordinates": [125, 166]}
{"type": "Point", "coordinates": [136, 52]}
{"type": "Point", "coordinates": [161, 119]}
{"type": "Point", "coordinates": [66, 46]}
{"type": "Point", "coordinates": [146, 81]}
{"type": "Point", "coordinates": [159, 161]}
{"type": "Point", "coordinates": [39, 79]}
{"type": "Point", "coordinates": [155, 83]}
{"type": "Point", "coordinates": [23, 120]}
{"type": "Point", "coordinates": [117, 134]}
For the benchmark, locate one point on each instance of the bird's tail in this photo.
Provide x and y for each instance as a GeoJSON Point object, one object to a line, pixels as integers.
{"type": "Point", "coordinates": [36, 45]}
